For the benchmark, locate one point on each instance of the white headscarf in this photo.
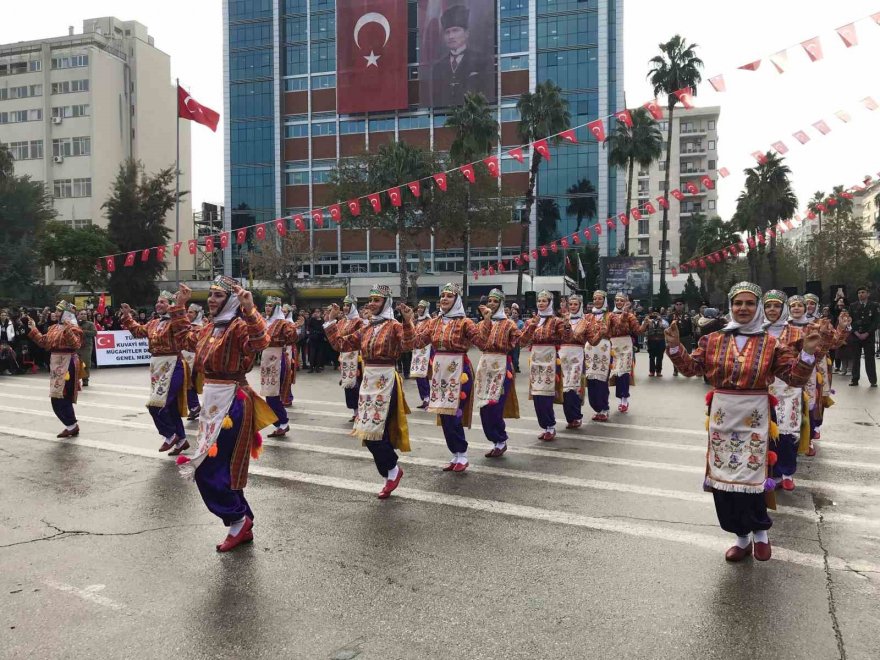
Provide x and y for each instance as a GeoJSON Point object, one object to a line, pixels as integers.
{"type": "Point", "coordinates": [547, 313]}
{"type": "Point", "coordinates": [425, 315]}
{"type": "Point", "coordinates": [455, 312]}
{"type": "Point", "coordinates": [289, 316]}
{"type": "Point", "coordinates": [353, 312]}
{"type": "Point", "coordinates": [576, 316]}
{"type": "Point", "coordinates": [757, 326]}
{"type": "Point", "coordinates": [775, 328]}
{"type": "Point", "coordinates": [387, 313]}
{"type": "Point", "coordinates": [68, 316]}
{"type": "Point", "coordinates": [200, 317]}
{"type": "Point", "coordinates": [228, 311]}
{"type": "Point", "coordinates": [500, 314]}
{"type": "Point", "coordinates": [277, 315]}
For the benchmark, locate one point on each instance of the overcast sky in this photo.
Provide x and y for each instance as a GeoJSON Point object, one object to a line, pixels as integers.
{"type": "Point", "coordinates": [758, 108]}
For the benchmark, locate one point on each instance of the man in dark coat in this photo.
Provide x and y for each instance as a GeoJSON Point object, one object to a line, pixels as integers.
{"type": "Point", "coordinates": [865, 321]}
{"type": "Point", "coordinates": [462, 69]}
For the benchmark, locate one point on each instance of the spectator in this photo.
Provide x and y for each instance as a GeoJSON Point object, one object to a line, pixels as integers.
{"type": "Point", "coordinates": [865, 321]}
{"type": "Point", "coordinates": [316, 342]}
{"type": "Point", "coordinates": [654, 327]}
{"type": "Point", "coordinates": [8, 339]}
{"type": "Point", "coordinates": [85, 351]}
{"type": "Point", "coordinates": [842, 356]}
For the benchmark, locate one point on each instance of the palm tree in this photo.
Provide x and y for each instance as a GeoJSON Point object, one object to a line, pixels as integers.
{"type": "Point", "coordinates": [7, 169]}
{"type": "Point", "coordinates": [813, 205]}
{"type": "Point", "coordinates": [542, 114]}
{"type": "Point", "coordinates": [476, 131]}
{"type": "Point", "coordinates": [642, 144]}
{"type": "Point", "coordinates": [677, 67]}
{"type": "Point", "coordinates": [583, 201]}
{"type": "Point", "coordinates": [767, 199]}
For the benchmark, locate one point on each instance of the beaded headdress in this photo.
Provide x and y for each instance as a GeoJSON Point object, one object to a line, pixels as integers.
{"type": "Point", "coordinates": [811, 297]}
{"type": "Point", "coordinates": [65, 306]}
{"type": "Point", "coordinates": [349, 300]}
{"type": "Point", "coordinates": [167, 295]}
{"type": "Point", "coordinates": [273, 300]}
{"type": "Point", "coordinates": [449, 287]}
{"type": "Point", "coordinates": [775, 294]}
{"type": "Point", "coordinates": [544, 294]}
{"type": "Point", "coordinates": [498, 294]}
{"type": "Point", "coordinates": [381, 290]}
{"type": "Point", "coordinates": [745, 287]}
{"type": "Point", "coordinates": [424, 303]}
{"type": "Point", "coordinates": [224, 283]}
{"type": "Point", "coordinates": [797, 299]}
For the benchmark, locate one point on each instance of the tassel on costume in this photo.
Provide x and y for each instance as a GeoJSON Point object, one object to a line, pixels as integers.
{"type": "Point", "coordinates": [462, 395]}
{"type": "Point", "coordinates": [240, 394]}
{"type": "Point", "coordinates": [774, 430]}
{"type": "Point", "coordinates": [464, 378]}
{"type": "Point", "coordinates": [257, 446]}
{"type": "Point", "coordinates": [709, 396]}
{"type": "Point", "coordinates": [212, 452]}
{"type": "Point", "coordinates": [771, 458]}
{"type": "Point", "coordinates": [773, 401]}
{"type": "Point", "coordinates": [509, 374]}
{"type": "Point", "coordinates": [182, 460]}
{"type": "Point", "coordinates": [707, 422]}
{"type": "Point", "coordinates": [67, 376]}
{"type": "Point", "coordinates": [227, 422]}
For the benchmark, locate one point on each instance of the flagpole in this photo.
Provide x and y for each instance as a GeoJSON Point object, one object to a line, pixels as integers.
{"type": "Point", "coordinates": [177, 181]}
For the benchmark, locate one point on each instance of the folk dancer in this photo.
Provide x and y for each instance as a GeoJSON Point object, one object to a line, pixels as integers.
{"type": "Point", "coordinates": [62, 340]}
{"type": "Point", "coordinates": [419, 367]}
{"type": "Point", "coordinates": [451, 335]}
{"type": "Point", "coordinates": [571, 358]}
{"type": "Point", "coordinates": [741, 361]}
{"type": "Point", "coordinates": [196, 317]}
{"type": "Point", "coordinates": [381, 421]}
{"type": "Point", "coordinates": [494, 384]}
{"type": "Point", "coordinates": [292, 355]}
{"type": "Point", "coordinates": [85, 351]}
{"type": "Point", "coordinates": [350, 368]}
{"type": "Point", "coordinates": [232, 413]}
{"type": "Point", "coordinates": [276, 373]}
{"type": "Point", "coordinates": [598, 356]}
{"type": "Point", "coordinates": [544, 332]}
{"type": "Point", "coordinates": [169, 373]}
{"type": "Point", "coordinates": [623, 327]}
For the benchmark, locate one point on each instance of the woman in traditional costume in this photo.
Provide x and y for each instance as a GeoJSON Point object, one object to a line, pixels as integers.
{"type": "Point", "coordinates": [292, 355]}
{"type": "Point", "coordinates": [381, 419]}
{"type": "Point", "coordinates": [451, 335]}
{"type": "Point", "coordinates": [276, 372]}
{"type": "Point", "coordinates": [741, 362]}
{"type": "Point", "coordinates": [622, 328]}
{"type": "Point", "coordinates": [349, 361]}
{"type": "Point", "coordinates": [598, 356]}
{"type": "Point", "coordinates": [232, 413]}
{"type": "Point", "coordinates": [196, 317]}
{"type": "Point", "coordinates": [571, 358]}
{"type": "Point", "coordinates": [62, 341]}
{"type": "Point", "coordinates": [169, 372]}
{"type": "Point", "coordinates": [544, 332]}
{"type": "Point", "coordinates": [419, 366]}
{"type": "Point", "coordinates": [494, 384]}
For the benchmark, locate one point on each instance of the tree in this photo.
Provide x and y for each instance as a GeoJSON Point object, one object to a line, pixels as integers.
{"type": "Point", "coordinates": [582, 202]}
{"type": "Point", "coordinates": [839, 251]}
{"type": "Point", "coordinates": [75, 251]}
{"type": "Point", "coordinates": [691, 293]}
{"type": "Point", "coordinates": [136, 210]}
{"type": "Point", "coordinates": [7, 167]}
{"type": "Point", "coordinates": [589, 258]}
{"type": "Point", "coordinates": [677, 67]}
{"type": "Point", "coordinates": [475, 131]}
{"type": "Point", "coordinates": [642, 144]}
{"type": "Point", "coordinates": [766, 200]}
{"type": "Point", "coordinates": [279, 261]}
{"type": "Point", "coordinates": [542, 114]}
{"type": "Point", "coordinates": [713, 235]}
{"type": "Point", "coordinates": [548, 231]}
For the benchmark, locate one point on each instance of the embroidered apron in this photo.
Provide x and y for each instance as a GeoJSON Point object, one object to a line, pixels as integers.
{"type": "Point", "coordinates": [542, 371]}
{"type": "Point", "coordinates": [598, 362]}
{"type": "Point", "coordinates": [572, 359]}
{"type": "Point", "coordinates": [188, 357]}
{"type": "Point", "coordinates": [446, 383]}
{"type": "Point", "coordinates": [217, 399]}
{"type": "Point", "coordinates": [374, 402]}
{"type": "Point", "coordinates": [489, 379]}
{"type": "Point", "coordinates": [161, 371]}
{"type": "Point", "coordinates": [59, 365]}
{"type": "Point", "coordinates": [421, 358]}
{"type": "Point", "coordinates": [348, 368]}
{"type": "Point", "coordinates": [739, 430]}
{"type": "Point", "coordinates": [270, 371]}
{"type": "Point", "coordinates": [789, 410]}
{"type": "Point", "coordinates": [622, 355]}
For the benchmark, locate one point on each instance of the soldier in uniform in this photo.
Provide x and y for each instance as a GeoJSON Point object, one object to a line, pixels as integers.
{"type": "Point", "coordinates": [865, 321]}
{"type": "Point", "coordinates": [462, 69]}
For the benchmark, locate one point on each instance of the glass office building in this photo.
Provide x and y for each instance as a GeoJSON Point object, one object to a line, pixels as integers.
{"type": "Point", "coordinates": [283, 134]}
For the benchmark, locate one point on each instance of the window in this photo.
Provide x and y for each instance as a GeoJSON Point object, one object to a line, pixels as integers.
{"type": "Point", "coordinates": [644, 227]}
{"type": "Point", "coordinates": [515, 36]}
{"type": "Point", "coordinates": [326, 81]}
{"type": "Point", "coordinates": [711, 165]}
{"type": "Point", "coordinates": [561, 31]}
{"type": "Point", "coordinates": [63, 188]}
{"type": "Point", "coordinates": [323, 56]}
{"type": "Point", "coordinates": [517, 63]}
{"type": "Point", "coordinates": [251, 64]}
{"type": "Point", "coordinates": [352, 126]}
{"type": "Point", "coordinates": [570, 69]}
{"type": "Point", "coordinates": [78, 146]}
{"type": "Point", "coordinates": [510, 114]}
{"type": "Point", "coordinates": [71, 62]}
{"type": "Point", "coordinates": [35, 65]}
{"type": "Point", "coordinates": [514, 8]}
{"type": "Point", "coordinates": [324, 128]}
{"type": "Point", "coordinates": [321, 176]}
{"type": "Point", "coordinates": [711, 205]}
{"type": "Point", "coordinates": [18, 116]}
{"type": "Point", "coordinates": [711, 145]}
{"type": "Point", "coordinates": [27, 150]}
{"type": "Point", "coordinates": [322, 26]}
{"type": "Point", "coordinates": [242, 9]}
{"type": "Point", "coordinates": [409, 123]}
{"type": "Point", "coordinates": [439, 120]}
{"type": "Point", "coordinates": [296, 84]}
{"type": "Point", "coordinates": [643, 246]}
{"type": "Point", "coordinates": [661, 243]}
{"type": "Point", "coordinates": [296, 130]}
{"type": "Point", "coordinates": [71, 111]}
{"type": "Point", "coordinates": [294, 6]}
{"type": "Point", "coordinates": [711, 124]}
{"type": "Point", "coordinates": [23, 92]}
{"type": "Point", "coordinates": [379, 125]}
{"type": "Point", "coordinates": [513, 165]}
{"type": "Point", "coordinates": [249, 35]}
{"type": "Point", "coordinates": [82, 187]}
{"type": "Point", "coordinates": [295, 60]}
{"type": "Point", "coordinates": [78, 224]}
{"type": "Point", "coordinates": [68, 86]}
{"type": "Point", "coordinates": [296, 178]}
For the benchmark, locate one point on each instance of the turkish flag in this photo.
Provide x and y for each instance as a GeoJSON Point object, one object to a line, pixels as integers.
{"type": "Point", "coordinates": [597, 129]}
{"type": "Point", "coordinates": [415, 188]}
{"type": "Point", "coordinates": [869, 103]}
{"type": "Point", "coordinates": [717, 83]}
{"type": "Point", "coordinates": [575, 239]}
{"type": "Point", "coordinates": [375, 202]}
{"type": "Point", "coordinates": [686, 96]}
{"type": "Point", "coordinates": [440, 178]}
{"type": "Point", "coordinates": [598, 229]}
{"type": "Point", "coordinates": [491, 270]}
{"type": "Point", "coordinates": [751, 66]}
{"type": "Point", "coordinates": [569, 135]}
{"type": "Point", "coordinates": [762, 239]}
{"type": "Point", "coordinates": [476, 275]}
{"type": "Point", "coordinates": [674, 272]}
{"type": "Point", "coordinates": [846, 195]}
{"type": "Point", "coordinates": [129, 259]}
{"type": "Point", "coordinates": [811, 215]}
{"type": "Point", "coordinates": [664, 202]}
{"type": "Point", "coordinates": [281, 226]}
{"type": "Point", "coordinates": [189, 108]}
{"type": "Point", "coordinates": [335, 213]}
{"type": "Point", "coordinates": [848, 34]}
{"type": "Point", "coordinates": [111, 264]}
{"type": "Point", "coordinates": [492, 163]}
{"type": "Point", "coordinates": [843, 116]}
{"type": "Point", "coordinates": [534, 254]}
{"type": "Point", "coordinates": [542, 148]}
{"type": "Point", "coordinates": [240, 236]}
{"type": "Point", "coordinates": [525, 257]}
{"type": "Point", "coordinates": [822, 127]}
{"type": "Point", "coordinates": [104, 340]}
{"type": "Point", "coordinates": [543, 250]}
{"type": "Point", "coordinates": [654, 108]}
{"type": "Point", "coordinates": [554, 247]}
{"type": "Point", "coordinates": [636, 214]}
{"type": "Point", "coordinates": [102, 303]}
{"type": "Point", "coordinates": [318, 218]}
{"type": "Point", "coordinates": [371, 55]}
{"type": "Point", "coordinates": [813, 48]}
{"type": "Point", "coordinates": [192, 246]}
{"type": "Point", "coordinates": [801, 137]}
{"type": "Point", "coordinates": [145, 254]}
{"type": "Point", "coordinates": [780, 147]}
{"type": "Point", "coordinates": [468, 171]}
{"type": "Point", "coordinates": [723, 172]}
{"type": "Point", "coordinates": [516, 154]}
{"type": "Point", "coordinates": [299, 222]}
{"type": "Point", "coordinates": [261, 232]}
{"type": "Point", "coordinates": [624, 117]}
{"type": "Point", "coordinates": [354, 206]}
{"type": "Point", "coordinates": [99, 266]}
{"type": "Point", "coordinates": [707, 182]}
{"type": "Point", "coordinates": [624, 219]}
{"type": "Point", "coordinates": [224, 240]}
{"type": "Point", "coordinates": [176, 249]}
{"type": "Point", "coordinates": [649, 208]}
{"type": "Point", "coordinates": [780, 60]}
{"type": "Point", "coordinates": [587, 234]}
{"type": "Point", "coordinates": [394, 196]}
{"type": "Point", "coordinates": [209, 244]}
{"type": "Point", "coordinates": [692, 188]}
{"type": "Point", "coordinates": [677, 194]}
{"type": "Point", "coordinates": [160, 253]}
{"type": "Point", "coordinates": [760, 157]}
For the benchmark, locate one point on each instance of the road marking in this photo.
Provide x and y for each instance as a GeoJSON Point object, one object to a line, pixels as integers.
{"type": "Point", "coordinates": [89, 593]}
{"type": "Point", "coordinates": [712, 543]}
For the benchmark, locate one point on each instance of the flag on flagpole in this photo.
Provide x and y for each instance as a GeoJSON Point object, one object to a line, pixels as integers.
{"type": "Point", "coordinates": [580, 265]}
{"type": "Point", "coordinates": [189, 108]}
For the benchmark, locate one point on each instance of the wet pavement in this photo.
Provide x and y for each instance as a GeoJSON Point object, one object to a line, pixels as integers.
{"type": "Point", "coordinates": [599, 544]}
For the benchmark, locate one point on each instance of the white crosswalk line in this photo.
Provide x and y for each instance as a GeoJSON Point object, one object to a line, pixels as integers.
{"type": "Point", "coordinates": [712, 543]}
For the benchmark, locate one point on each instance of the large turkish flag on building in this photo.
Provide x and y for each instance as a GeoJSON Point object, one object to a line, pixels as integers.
{"type": "Point", "coordinates": [371, 54]}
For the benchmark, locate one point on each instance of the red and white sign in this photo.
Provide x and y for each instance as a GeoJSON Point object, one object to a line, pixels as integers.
{"type": "Point", "coordinates": [119, 348]}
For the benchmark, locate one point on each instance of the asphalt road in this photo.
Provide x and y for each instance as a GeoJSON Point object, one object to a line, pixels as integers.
{"type": "Point", "coordinates": [598, 545]}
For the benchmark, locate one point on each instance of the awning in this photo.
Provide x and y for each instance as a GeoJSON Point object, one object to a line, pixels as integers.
{"type": "Point", "coordinates": [317, 292]}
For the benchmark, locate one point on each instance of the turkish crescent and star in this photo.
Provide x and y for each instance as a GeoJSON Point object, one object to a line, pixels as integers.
{"type": "Point", "coordinates": [372, 17]}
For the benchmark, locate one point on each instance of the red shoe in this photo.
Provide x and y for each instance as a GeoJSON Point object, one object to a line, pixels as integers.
{"type": "Point", "coordinates": [763, 552]}
{"type": "Point", "coordinates": [735, 553]}
{"type": "Point", "coordinates": [623, 407]}
{"type": "Point", "coordinates": [495, 452]}
{"type": "Point", "coordinates": [168, 444]}
{"type": "Point", "coordinates": [576, 424]}
{"type": "Point", "coordinates": [816, 435]}
{"type": "Point", "coordinates": [596, 417]}
{"type": "Point", "coordinates": [179, 448]}
{"type": "Point", "coordinates": [449, 467]}
{"type": "Point", "coordinates": [390, 486]}
{"type": "Point", "coordinates": [244, 536]}
{"type": "Point", "coordinates": [788, 484]}
{"type": "Point", "coordinates": [460, 467]}
{"type": "Point", "coordinates": [601, 417]}
{"type": "Point", "coordinates": [424, 405]}
{"type": "Point", "coordinates": [72, 433]}
{"type": "Point", "coordinates": [812, 450]}
{"type": "Point", "coordinates": [650, 374]}
{"type": "Point", "coordinates": [549, 436]}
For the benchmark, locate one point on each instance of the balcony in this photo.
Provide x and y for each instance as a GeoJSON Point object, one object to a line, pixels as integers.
{"type": "Point", "coordinates": [694, 172]}
{"type": "Point", "coordinates": [693, 132]}
{"type": "Point", "coordinates": [692, 152]}
{"type": "Point", "coordinates": [644, 175]}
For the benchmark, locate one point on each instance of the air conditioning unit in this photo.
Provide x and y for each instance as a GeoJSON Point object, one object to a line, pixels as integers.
{"type": "Point", "coordinates": [57, 120]}
{"type": "Point", "coordinates": [58, 159]}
